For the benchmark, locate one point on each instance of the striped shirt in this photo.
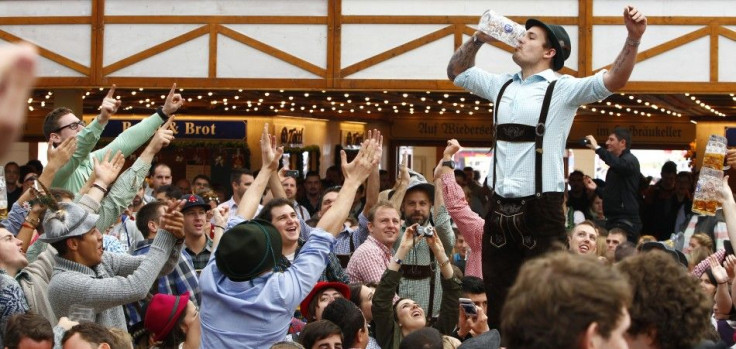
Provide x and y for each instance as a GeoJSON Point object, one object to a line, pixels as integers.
{"type": "Point", "coordinates": [521, 104]}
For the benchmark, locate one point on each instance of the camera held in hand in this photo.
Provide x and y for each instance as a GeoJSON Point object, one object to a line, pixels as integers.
{"type": "Point", "coordinates": [584, 142]}
{"type": "Point", "coordinates": [424, 231]}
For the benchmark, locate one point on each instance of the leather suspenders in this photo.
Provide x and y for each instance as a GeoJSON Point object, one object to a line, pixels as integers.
{"type": "Point", "coordinates": [523, 133]}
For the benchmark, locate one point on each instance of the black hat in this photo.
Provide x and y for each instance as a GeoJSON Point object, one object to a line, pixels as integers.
{"type": "Point", "coordinates": [659, 245]}
{"type": "Point", "coordinates": [558, 38]}
{"type": "Point", "coordinates": [248, 249]}
{"type": "Point", "coordinates": [191, 200]}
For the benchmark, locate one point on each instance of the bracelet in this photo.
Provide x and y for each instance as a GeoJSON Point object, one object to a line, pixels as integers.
{"type": "Point", "coordinates": [721, 283]}
{"type": "Point", "coordinates": [32, 221]}
{"type": "Point", "coordinates": [161, 114]}
{"type": "Point", "coordinates": [632, 42]}
{"type": "Point", "coordinates": [28, 225]}
{"type": "Point", "coordinates": [219, 226]}
{"type": "Point", "coordinates": [95, 185]}
{"type": "Point", "coordinates": [446, 262]}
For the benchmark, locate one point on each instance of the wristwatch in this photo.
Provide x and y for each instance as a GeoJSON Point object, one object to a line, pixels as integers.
{"type": "Point", "coordinates": [398, 261]}
{"type": "Point", "coordinates": [450, 163]}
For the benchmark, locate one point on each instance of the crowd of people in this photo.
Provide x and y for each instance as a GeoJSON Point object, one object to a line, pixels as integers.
{"type": "Point", "coordinates": [97, 253]}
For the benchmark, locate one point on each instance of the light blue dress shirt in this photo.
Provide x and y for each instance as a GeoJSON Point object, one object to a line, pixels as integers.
{"type": "Point", "coordinates": [521, 104]}
{"type": "Point", "coordinates": [257, 313]}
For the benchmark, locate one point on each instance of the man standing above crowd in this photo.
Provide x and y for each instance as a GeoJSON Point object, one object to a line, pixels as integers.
{"type": "Point", "coordinates": [527, 175]}
{"type": "Point", "coordinates": [621, 193]}
{"type": "Point", "coordinates": [61, 123]}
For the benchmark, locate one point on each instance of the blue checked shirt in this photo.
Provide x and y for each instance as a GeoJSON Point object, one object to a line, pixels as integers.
{"type": "Point", "coordinates": [521, 104]}
{"type": "Point", "coordinates": [181, 280]}
{"type": "Point", "coordinates": [333, 271]}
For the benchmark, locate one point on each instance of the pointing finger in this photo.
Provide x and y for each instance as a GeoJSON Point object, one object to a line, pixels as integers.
{"type": "Point", "coordinates": [173, 90]}
{"type": "Point", "coordinates": [111, 92]}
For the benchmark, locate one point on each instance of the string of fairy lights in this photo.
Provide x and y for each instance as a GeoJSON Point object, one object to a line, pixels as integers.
{"type": "Point", "coordinates": [359, 103]}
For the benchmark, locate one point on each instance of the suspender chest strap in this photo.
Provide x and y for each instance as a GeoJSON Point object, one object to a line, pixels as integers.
{"type": "Point", "coordinates": [523, 133]}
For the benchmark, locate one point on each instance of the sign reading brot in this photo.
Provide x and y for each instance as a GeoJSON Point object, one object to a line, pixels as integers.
{"type": "Point", "coordinates": [442, 129]}
{"type": "Point", "coordinates": [189, 129]}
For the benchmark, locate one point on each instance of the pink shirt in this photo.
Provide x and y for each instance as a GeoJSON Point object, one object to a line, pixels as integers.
{"type": "Point", "coordinates": [369, 261]}
{"type": "Point", "coordinates": [468, 222]}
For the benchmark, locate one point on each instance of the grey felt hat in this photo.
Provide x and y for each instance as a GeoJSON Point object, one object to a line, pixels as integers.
{"type": "Point", "coordinates": [69, 221]}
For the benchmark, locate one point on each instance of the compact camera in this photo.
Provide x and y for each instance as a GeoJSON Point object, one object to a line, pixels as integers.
{"type": "Point", "coordinates": [584, 142]}
{"type": "Point", "coordinates": [424, 231]}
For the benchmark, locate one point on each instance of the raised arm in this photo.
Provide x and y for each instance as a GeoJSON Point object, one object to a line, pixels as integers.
{"type": "Point", "coordinates": [270, 157]}
{"type": "Point", "coordinates": [355, 173]}
{"type": "Point", "coordinates": [132, 138]}
{"type": "Point", "coordinates": [17, 75]}
{"type": "Point", "coordinates": [374, 179]}
{"type": "Point", "coordinates": [122, 191]}
{"type": "Point", "coordinates": [464, 57]}
{"type": "Point", "coordinates": [401, 183]}
{"type": "Point", "coordinates": [729, 210]}
{"type": "Point", "coordinates": [618, 75]}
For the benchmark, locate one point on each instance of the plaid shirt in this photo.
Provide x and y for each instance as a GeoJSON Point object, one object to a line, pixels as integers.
{"type": "Point", "coordinates": [419, 289]}
{"type": "Point", "coordinates": [180, 281]}
{"type": "Point", "coordinates": [198, 261]}
{"type": "Point", "coordinates": [369, 261]}
{"type": "Point", "coordinates": [333, 271]}
{"type": "Point", "coordinates": [358, 236]}
{"type": "Point", "coordinates": [468, 222]}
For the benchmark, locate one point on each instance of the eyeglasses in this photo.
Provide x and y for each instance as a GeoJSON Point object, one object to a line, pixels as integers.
{"type": "Point", "coordinates": [73, 126]}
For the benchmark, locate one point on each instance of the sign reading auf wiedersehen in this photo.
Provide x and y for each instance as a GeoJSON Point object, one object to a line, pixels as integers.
{"type": "Point", "coordinates": [434, 129]}
{"type": "Point", "coordinates": [188, 129]}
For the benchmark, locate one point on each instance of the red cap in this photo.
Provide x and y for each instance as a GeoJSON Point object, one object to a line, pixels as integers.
{"type": "Point", "coordinates": [339, 286]}
{"type": "Point", "coordinates": [163, 313]}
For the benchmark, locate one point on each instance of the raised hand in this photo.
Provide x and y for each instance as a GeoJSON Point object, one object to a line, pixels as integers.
{"type": "Point", "coordinates": [730, 264]}
{"type": "Point", "coordinates": [591, 142]}
{"type": "Point", "coordinates": [174, 101]}
{"type": "Point", "coordinates": [17, 75]}
{"type": "Point", "coordinates": [636, 22]}
{"type": "Point", "coordinates": [270, 153]}
{"type": "Point", "coordinates": [725, 195]}
{"type": "Point", "coordinates": [58, 156]}
{"type": "Point", "coordinates": [731, 157]}
{"type": "Point", "coordinates": [719, 272]}
{"type": "Point", "coordinates": [163, 136]}
{"type": "Point", "coordinates": [404, 175]}
{"type": "Point", "coordinates": [107, 169]}
{"type": "Point", "coordinates": [378, 138]}
{"type": "Point", "coordinates": [589, 183]}
{"type": "Point", "coordinates": [359, 169]}
{"type": "Point", "coordinates": [173, 220]}
{"type": "Point", "coordinates": [109, 106]}
{"type": "Point", "coordinates": [453, 146]}
{"type": "Point", "coordinates": [409, 239]}
{"type": "Point", "coordinates": [220, 215]}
